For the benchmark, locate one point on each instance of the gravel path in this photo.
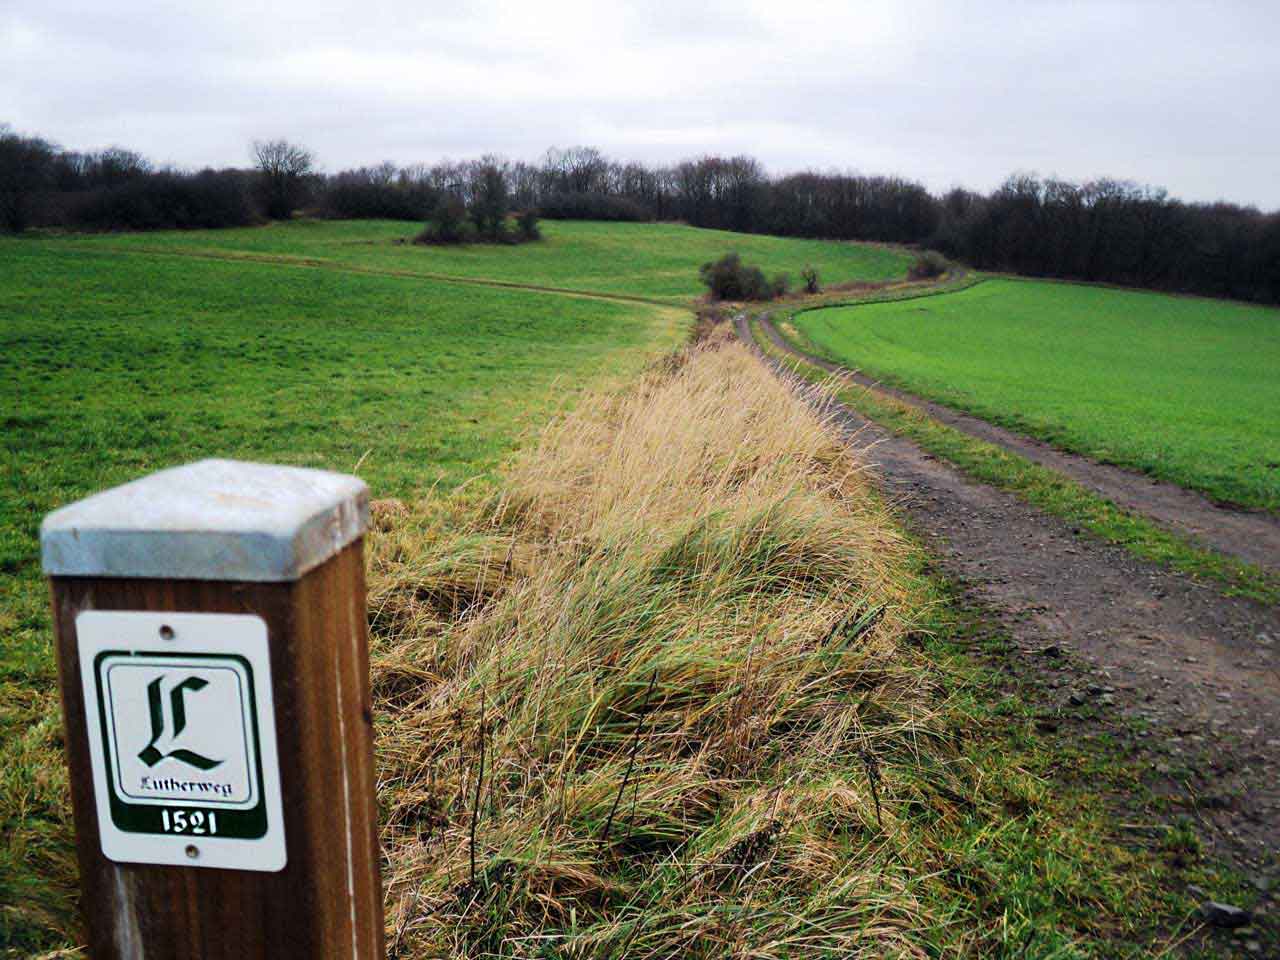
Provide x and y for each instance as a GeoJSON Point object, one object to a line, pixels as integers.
{"type": "Point", "coordinates": [1252, 536]}
{"type": "Point", "coordinates": [1201, 670]}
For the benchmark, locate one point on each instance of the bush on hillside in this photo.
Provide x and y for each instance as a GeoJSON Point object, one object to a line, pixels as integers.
{"type": "Point", "coordinates": [730, 279]}
{"type": "Point", "coordinates": [928, 266]}
{"type": "Point", "coordinates": [527, 226]}
{"type": "Point", "coordinates": [448, 223]}
{"type": "Point", "coordinates": [490, 202]}
{"type": "Point", "coordinates": [454, 223]}
{"type": "Point", "coordinates": [810, 277]}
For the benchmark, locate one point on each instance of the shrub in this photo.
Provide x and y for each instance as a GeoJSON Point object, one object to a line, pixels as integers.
{"type": "Point", "coordinates": [489, 203]}
{"type": "Point", "coordinates": [452, 223]}
{"type": "Point", "coordinates": [527, 226]}
{"type": "Point", "coordinates": [448, 224]}
{"type": "Point", "coordinates": [928, 266]}
{"type": "Point", "coordinates": [730, 279]}
{"type": "Point", "coordinates": [810, 276]}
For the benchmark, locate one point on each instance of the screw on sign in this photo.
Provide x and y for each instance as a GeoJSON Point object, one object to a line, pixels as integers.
{"type": "Point", "coordinates": [213, 660]}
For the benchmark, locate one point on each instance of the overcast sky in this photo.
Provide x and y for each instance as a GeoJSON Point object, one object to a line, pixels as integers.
{"type": "Point", "coordinates": [1175, 93]}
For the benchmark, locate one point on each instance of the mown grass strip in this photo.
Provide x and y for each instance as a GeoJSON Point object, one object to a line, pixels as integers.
{"type": "Point", "coordinates": [890, 293]}
{"type": "Point", "coordinates": [1042, 487]}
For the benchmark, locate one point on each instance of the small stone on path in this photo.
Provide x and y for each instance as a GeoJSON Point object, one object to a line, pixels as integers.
{"type": "Point", "coordinates": [1224, 915]}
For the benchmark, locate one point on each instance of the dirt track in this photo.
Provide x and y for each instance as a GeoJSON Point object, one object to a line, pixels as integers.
{"type": "Point", "coordinates": [1251, 536]}
{"type": "Point", "coordinates": [1201, 670]}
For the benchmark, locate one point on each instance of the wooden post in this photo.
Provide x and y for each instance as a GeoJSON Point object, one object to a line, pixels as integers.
{"type": "Point", "coordinates": [213, 659]}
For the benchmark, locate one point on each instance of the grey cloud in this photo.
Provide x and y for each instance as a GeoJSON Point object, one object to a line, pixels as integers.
{"type": "Point", "coordinates": [1175, 93]}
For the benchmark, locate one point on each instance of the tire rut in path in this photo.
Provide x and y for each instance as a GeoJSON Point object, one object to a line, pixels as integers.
{"type": "Point", "coordinates": [1202, 670]}
{"type": "Point", "coordinates": [1248, 535]}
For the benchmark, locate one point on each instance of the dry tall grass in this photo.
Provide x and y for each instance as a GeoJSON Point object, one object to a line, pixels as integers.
{"type": "Point", "coordinates": [659, 697]}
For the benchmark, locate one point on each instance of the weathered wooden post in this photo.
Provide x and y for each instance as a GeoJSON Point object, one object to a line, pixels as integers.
{"type": "Point", "coordinates": [213, 658]}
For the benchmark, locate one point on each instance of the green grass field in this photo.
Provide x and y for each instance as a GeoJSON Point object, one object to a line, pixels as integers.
{"type": "Point", "coordinates": [1184, 389]}
{"type": "Point", "coordinates": [318, 344]}
{"type": "Point", "coordinates": [113, 366]}
{"type": "Point", "coordinates": [329, 345]}
{"type": "Point", "coordinates": [657, 261]}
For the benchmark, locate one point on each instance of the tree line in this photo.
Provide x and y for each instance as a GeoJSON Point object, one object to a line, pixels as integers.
{"type": "Point", "coordinates": [1114, 232]}
{"type": "Point", "coordinates": [1103, 230]}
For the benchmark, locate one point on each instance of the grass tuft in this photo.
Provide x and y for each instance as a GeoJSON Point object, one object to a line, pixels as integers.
{"type": "Point", "coordinates": [695, 657]}
{"type": "Point", "coordinates": [687, 617]}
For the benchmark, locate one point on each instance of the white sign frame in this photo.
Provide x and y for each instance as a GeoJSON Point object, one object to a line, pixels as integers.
{"type": "Point", "coordinates": [232, 651]}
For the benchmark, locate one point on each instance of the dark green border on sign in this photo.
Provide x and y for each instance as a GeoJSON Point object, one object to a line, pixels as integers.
{"type": "Point", "coordinates": [147, 818]}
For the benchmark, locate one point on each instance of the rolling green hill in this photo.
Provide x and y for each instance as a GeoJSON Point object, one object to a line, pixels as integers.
{"type": "Point", "coordinates": [631, 259]}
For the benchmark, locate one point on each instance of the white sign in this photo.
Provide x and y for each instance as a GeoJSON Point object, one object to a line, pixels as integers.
{"type": "Point", "coordinates": [182, 738]}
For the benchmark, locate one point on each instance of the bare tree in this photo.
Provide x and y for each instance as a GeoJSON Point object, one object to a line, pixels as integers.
{"type": "Point", "coordinates": [286, 169]}
{"type": "Point", "coordinates": [117, 165]}
{"type": "Point", "coordinates": [575, 170]}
